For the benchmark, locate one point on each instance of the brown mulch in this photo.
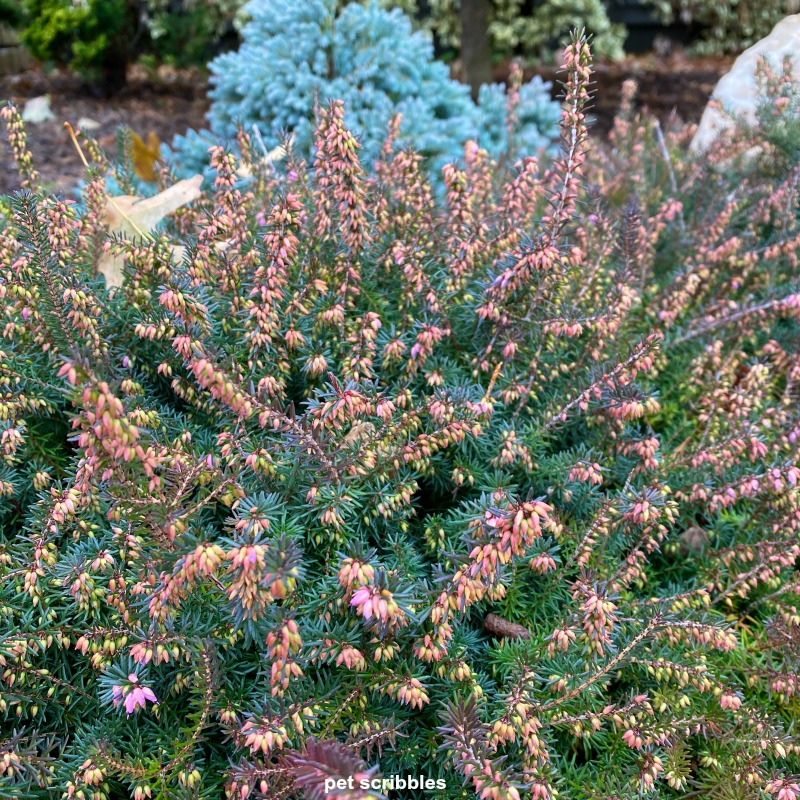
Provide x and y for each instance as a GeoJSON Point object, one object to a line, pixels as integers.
{"type": "Point", "coordinates": [169, 102]}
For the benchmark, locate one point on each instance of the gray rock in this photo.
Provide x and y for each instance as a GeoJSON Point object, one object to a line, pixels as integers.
{"type": "Point", "coordinates": [737, 92]}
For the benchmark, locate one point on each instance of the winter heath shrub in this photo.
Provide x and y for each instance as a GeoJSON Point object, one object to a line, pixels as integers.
{"type": "Point", "coordinates": [498, 490]}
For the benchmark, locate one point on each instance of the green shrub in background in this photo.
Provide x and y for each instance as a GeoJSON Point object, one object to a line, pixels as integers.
{"type": "Point", "coordinates": [10, 12]}
{"type": "Point", "coordinates": [727, 26]}
{"type": "Point", "coordinates": [96, 38]}
{"type": "Point", "coordinates": [722, 26]}
{"type": "Point", "coordinates": [99, 38]}
{"type": "Point", "coordinates": [500, 488]}
{"type": "Point", "coordinates": [190, 31]}
{"type": "Point", "coordinates": [533, 35]}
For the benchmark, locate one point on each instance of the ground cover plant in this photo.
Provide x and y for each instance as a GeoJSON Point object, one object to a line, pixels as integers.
{"type": "Point", "coordinates": [497, 489]}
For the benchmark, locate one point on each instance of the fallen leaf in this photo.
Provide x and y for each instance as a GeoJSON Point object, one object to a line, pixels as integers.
{"type": "Point", "coordinates": [87, 124]}
{"type": "Point", "coordinates": [272, 157]}
{"type": "Point", "coordinates": [359, 432]}
{"type": "Point", "coordinates": [135, 217]}
{"type": "Point", "coordinates": [145, 154]}
{"type": "Point", "coordinates": [693, 540]}
{"type": "Point", "coordinates": [38, 110]}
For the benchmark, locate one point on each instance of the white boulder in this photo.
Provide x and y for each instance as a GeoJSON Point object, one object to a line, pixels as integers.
{"type": "Point", "coordinates": [737, 92]}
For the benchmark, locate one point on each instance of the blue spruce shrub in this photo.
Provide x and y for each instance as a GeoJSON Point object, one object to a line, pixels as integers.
{"type": "Point", "coordinates": [537, 116]}
{"type": "Point", "coordinates": [294, 53]}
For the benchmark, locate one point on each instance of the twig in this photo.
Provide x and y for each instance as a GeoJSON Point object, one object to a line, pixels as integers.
{"type": "Point", "coordinates": [668, 161]}
{"type": "Point", "coordinates": [504, 628]}
{"type": "Point", "coordinates": [110, 199]}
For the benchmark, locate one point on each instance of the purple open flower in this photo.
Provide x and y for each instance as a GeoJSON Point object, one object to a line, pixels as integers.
{"type": "Point", "coordinates": [138, 697]}
{"type": "Point", "coordinates": [135, 696]}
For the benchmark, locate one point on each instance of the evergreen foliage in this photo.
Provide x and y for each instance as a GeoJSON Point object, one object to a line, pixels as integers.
{"type": "Point", "coordinates": [500, 489]}
{"type": "Point", "coordinates": [94, 38]}
{"type": "Point", "coordinates": [98, 38]}
{"type": "Point", "coordinates": [295, 55]}
{"type": "Point", "coordinates": [516, 28]}
{"type": "Point", "coordinates": [726, 26]}
{"type": "Point", "coordinates": [191, 33]}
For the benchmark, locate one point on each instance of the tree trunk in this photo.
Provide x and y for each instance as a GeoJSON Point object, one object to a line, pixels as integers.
{"type": "Point", "coordinates": [476, 54]}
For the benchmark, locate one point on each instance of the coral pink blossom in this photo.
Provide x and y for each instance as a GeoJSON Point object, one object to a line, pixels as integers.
{"type": "Point", "coordinates": [363, 600]}
{"type": "Point", "coordinates": [783, 789]}
{"type": "Point", "coordinates": [731, 701]}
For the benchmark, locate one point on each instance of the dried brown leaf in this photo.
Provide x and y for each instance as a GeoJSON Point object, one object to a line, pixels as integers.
{"type": "Point", "coordinates": [135, 217]}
